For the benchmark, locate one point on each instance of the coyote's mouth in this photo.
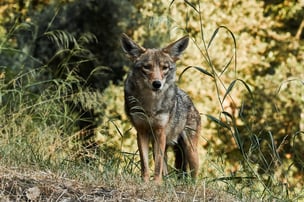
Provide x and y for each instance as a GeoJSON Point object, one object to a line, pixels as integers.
{"type": "Point", "coordinates": [156, 89]}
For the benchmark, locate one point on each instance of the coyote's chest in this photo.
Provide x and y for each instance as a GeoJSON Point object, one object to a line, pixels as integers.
{"type": "Point", "coordinates": [150, 108]}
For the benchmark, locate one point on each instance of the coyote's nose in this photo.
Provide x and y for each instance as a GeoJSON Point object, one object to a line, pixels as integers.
{"type": "Point", "coordinates": [156, 85]}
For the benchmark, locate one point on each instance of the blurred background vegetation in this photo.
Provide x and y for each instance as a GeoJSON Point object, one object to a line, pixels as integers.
{"type": "Point", "coordinates": [61, 85]}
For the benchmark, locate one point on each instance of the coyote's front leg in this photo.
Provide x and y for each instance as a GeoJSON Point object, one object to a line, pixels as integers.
{"type": "Point", "coordinates": [159, 146]}
{"type": "Point", "coordinates": [143, 146]}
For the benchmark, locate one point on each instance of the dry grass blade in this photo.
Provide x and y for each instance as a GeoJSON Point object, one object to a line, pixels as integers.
{"type": "Point", "coordinates": [197, 68]}
{"type": "Point", "coordinates": [217, 121]}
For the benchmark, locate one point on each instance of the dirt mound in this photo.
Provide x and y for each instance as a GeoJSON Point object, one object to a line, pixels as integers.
{"type": "Point", "coordinates": [28, 185]}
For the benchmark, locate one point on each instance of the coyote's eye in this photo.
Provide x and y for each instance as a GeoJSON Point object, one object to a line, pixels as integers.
{"type": "Point", "coordinates": [166, 66]}
{"type": "Point", "coordinates": [146, 67]}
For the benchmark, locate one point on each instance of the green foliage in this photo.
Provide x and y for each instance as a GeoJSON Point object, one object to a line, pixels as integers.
{"type": "Point", "coordinates": [257, 133]}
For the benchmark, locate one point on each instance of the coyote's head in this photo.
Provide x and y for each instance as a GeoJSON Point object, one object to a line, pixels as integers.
{"type": "Point", "coordinates": [154, 67]}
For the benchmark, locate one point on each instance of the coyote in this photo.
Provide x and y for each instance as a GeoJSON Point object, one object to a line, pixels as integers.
{"type": "Point", "coordinates": [159, 110]}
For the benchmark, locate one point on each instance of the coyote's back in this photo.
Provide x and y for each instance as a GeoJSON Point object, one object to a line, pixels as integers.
{"type": "Point", "coordinates": [159, 110]}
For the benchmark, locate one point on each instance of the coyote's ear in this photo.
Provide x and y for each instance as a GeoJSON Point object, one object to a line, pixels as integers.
{"type": "Point", "coordinates": [176, 48]}
{"type": "Point", "coordinates": [130, 47]}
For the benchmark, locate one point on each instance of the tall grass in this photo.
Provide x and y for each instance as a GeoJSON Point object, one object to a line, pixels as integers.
{"type": "Point", "coordinates": [39, 114]}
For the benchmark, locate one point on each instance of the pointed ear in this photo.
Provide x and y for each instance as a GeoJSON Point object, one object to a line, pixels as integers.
{"type": "Point", "coordinates": [176, 48]}
{"type": "Point", "coordinates": [130, 47]}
